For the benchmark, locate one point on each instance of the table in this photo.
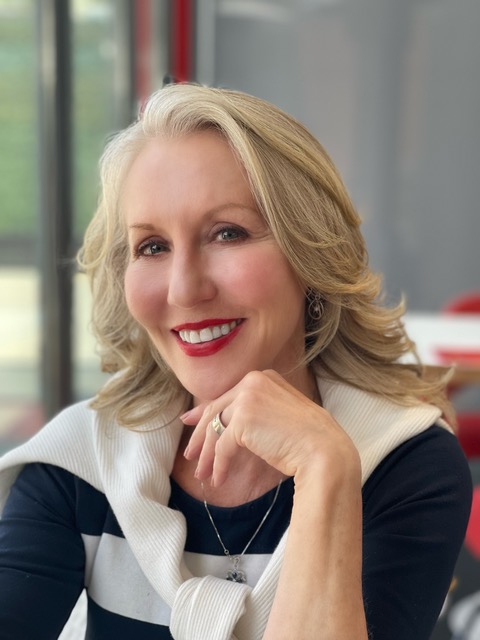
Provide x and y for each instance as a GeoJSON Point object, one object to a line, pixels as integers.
{"type": "Point", "coordinates": [445, 340]}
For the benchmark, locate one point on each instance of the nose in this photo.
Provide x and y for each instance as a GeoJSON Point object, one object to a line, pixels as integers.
{"type": "Point", "coordinates": [190, 280]}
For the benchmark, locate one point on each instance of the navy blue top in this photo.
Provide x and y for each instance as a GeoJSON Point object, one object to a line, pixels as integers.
{"type": "Point", "coordinates": [415, 511]}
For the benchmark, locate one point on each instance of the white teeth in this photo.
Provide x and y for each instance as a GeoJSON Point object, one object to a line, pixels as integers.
{"type": "Point", "coordinates": [208, 333]}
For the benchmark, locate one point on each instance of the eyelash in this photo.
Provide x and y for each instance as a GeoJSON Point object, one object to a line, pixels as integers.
{"type": "Point", "coordinates": [240, 234]}
{"type": "Point", "coordinates": [148, 244]}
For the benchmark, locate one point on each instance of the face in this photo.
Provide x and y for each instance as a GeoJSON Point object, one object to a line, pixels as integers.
{"type": "Point", "coordinates": [206, 279]}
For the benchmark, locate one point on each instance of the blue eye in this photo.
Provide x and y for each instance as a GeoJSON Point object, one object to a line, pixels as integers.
{"type": "Point", "coordinates": [229, 234]}
{"type": "Point", "coordinates": [150, 248]}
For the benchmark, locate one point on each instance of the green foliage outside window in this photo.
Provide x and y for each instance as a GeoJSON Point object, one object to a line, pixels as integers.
{"type": "Point", "coordinates": [91, 118]}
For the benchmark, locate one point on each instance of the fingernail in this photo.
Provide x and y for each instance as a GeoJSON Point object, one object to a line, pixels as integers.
{"type": "Point", "coordinates": [184, 415]}
{"type": "Point", "coordinates": [185, 453]}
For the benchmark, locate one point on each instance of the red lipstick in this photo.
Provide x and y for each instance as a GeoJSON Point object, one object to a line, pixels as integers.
{"type": "Point", "coordinates": [203, 349]}
{"type": "Point", "coordinates": [203, 324]}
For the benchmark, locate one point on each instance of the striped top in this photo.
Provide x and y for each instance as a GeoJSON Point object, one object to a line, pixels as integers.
{"type": "Point", "coordinates": [146, 565]}
{"type": "Point", "coordinates": [64, 536]}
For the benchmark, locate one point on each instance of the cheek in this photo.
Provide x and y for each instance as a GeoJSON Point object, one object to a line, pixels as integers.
{"type": "Point", "coordinates": [143, 293]}
{"type": "Point", "coordinates": [266, 279]}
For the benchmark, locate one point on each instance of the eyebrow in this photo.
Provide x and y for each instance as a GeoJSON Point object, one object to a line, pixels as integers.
{"type": "Point", "coordinates": [145, 226]}
{"type": "Point", "coordinates": [141, 225]}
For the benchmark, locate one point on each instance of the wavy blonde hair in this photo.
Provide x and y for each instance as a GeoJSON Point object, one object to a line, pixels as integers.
{"type": "Point", "coordinates": [357, 339]}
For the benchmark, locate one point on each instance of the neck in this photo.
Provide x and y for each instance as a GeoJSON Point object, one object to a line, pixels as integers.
{"type": "Point", "coordinates": [305, 381]}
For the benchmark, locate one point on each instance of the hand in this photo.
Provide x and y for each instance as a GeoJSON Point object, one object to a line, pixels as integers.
{"type": "Point", "coordinates": [270, 418]}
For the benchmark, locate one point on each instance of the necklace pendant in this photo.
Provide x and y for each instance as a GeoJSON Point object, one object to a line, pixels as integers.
{"type": "Point", "coordinates": [236, 574]}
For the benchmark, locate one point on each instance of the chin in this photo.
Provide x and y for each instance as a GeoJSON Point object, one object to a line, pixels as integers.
{"type": "Point", "coordinates": [211, 386]}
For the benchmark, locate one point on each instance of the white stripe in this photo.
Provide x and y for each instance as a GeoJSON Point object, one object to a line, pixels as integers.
{"type": "Point", "coordinates": [91, 545]}
{"type": "Point", "coordinates": [116, 582]}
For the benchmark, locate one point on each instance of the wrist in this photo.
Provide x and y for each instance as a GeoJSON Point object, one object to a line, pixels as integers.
{"type": "Point", "coordinates": [328, 475]}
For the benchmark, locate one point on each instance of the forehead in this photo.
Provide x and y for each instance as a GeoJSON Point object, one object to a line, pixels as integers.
{"type": "Point", "coordinates": [196, 169]}
{"type": "Point", "coordinates": [200, 162]}
{"type": "Point", "coordinates": [187, 153]}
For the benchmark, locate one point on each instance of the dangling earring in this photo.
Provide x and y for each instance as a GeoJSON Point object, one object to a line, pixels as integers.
{"type": "Point", "coordinates": [315, 305]}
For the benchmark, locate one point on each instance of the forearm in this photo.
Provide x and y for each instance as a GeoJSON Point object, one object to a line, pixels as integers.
{"type": "Point", "coordinates": [320, 587]}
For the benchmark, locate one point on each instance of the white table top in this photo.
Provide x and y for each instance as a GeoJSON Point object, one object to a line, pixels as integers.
{"type": "Point", "coordinates": [435, 334]}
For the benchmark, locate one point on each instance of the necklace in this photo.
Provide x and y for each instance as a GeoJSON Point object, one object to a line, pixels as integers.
{"type": "Point", "coordinates": [235, 574]}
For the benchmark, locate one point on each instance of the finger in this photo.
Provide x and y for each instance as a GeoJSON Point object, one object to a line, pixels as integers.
{"type": "Point", "coordinates": [196, 441]}
{"type": "Point", "coordinates": [207, 454]}
{"type": "Point", "coordinates": [279, 380]}
{"type": "Point", "coordinates": [205, 435]}
{"type": "Point", "coordinates": [193, 416]}
{"type": "Point", "coordinates": [225, 450]}
{"type": "Point", "coordinates": [202, 417]}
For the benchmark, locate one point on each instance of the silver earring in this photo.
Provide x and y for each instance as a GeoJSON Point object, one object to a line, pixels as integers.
{"type": "Point", "coordinates": [315, 305]}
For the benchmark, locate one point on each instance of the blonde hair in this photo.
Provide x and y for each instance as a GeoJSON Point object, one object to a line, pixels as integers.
{"type": "Point", "coordinates": [298, 190]}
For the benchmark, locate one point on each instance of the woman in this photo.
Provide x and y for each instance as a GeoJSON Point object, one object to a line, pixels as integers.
{"type": "Point", "coordinates": [214, 487]}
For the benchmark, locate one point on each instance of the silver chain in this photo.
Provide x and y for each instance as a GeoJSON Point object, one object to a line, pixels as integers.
{"type": "Point", "coordinates": [236, 574]}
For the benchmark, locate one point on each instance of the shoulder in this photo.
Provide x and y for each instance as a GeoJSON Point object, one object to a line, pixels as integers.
{"type": "Point", "coordinates": [41, 476]}
{"type": "Point", "coordinates": [59, 443]}
{"type": "Point", "coordinates": [435, 451]}
{"type": "Point", "coordinates": [48, 493]}
{"type": "Point", "coordinates": [69, 428]}
{"type": "Point", "coordinates": [430, 467]}
{"type": "Point", "coordinates": [416, 508]}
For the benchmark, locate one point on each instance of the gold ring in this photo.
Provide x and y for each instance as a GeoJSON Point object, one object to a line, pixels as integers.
{"type": "Point", "coordinates": [217, 425]}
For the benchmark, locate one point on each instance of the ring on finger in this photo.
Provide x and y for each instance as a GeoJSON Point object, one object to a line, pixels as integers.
{"type": "Point", "coordinates": [217, 425]}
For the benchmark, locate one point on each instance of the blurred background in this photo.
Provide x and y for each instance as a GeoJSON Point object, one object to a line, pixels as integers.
{"type": "Point", "coordinates": [391, 88]}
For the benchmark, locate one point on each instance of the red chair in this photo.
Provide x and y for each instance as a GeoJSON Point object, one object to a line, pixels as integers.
{"type": "Point", "coordinates": [468, 302]}
{"type": "Point", "coordinates": [469, 433]}
{"type": "Point", "coordinates": [468, 422]}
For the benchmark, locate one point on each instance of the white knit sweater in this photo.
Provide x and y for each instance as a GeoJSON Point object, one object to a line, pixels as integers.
{"type": "Point", "coordinates": [132, 469]}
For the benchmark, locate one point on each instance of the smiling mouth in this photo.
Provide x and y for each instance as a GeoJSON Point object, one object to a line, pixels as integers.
{"type": "Point", "coordinates": [207, 334]}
